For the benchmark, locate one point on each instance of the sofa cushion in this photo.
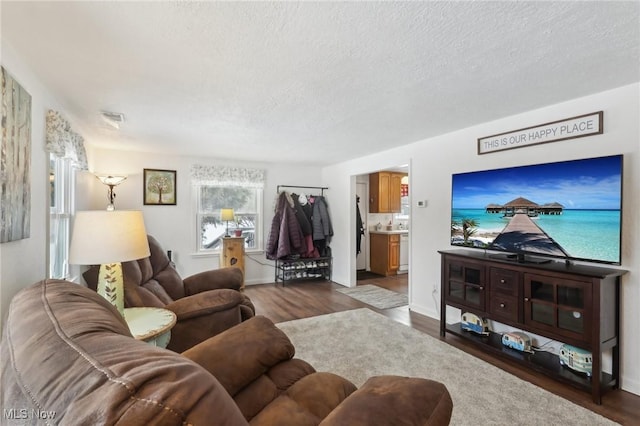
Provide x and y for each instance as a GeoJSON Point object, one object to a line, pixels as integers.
{"type": "Point", "coordinates": [306, 402]}
{"type": "Point", "coordinates": [220, 307]}
{"type": "Point", "coordinates": [320, 393]}
{"type": "Point", "coordinates": [256, 345]}
{"type": "Point", "coordinates": [156, 267]}
{"type": "Point", "coordinates": [263, 391]}
{"type": "Point", "coordinates": [391, 400]}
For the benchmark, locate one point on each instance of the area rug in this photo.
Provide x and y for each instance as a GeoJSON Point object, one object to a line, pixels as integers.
{"type": "Point", "coordinates": [375, 296]}
{"type": "Point", "coordinates": [360, 343]}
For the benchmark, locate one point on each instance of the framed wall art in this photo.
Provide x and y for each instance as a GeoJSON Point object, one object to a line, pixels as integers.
{"type": "Point", "coordinates": [15, 161]}
{"type": "Point", "coordinates": [159, 187]}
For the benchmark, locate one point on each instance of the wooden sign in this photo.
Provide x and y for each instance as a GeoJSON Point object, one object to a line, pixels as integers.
{"type": "Point", "coordinates": [569, 128]}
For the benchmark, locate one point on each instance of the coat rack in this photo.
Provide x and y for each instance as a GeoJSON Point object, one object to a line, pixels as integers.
{"type": "Point", "coordinates": [321, 188]}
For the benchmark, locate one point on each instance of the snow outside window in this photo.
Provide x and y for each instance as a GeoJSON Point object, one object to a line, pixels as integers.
{"type": "Point", "coordinates": [246, 203]}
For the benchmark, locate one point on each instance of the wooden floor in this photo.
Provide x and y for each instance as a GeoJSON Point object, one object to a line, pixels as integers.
{"type": "Point", "coordinates": [311, 298]}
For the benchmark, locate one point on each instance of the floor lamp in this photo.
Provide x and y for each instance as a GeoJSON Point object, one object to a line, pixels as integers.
{"type": "Point", "coordinates": [107, 238]}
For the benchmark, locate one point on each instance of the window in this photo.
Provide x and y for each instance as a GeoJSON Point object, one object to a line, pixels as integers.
{"type": "Point", "coordinates": [221, 187]}
{"type": "Point", "coordinates": [61, 182]}
{"type": "Point", "coordinates": [66, 155]}
{"type": "Point", "coordinates": [247, 207]}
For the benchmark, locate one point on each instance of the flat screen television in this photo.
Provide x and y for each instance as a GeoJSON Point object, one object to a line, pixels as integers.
{"type": "Point", "coordinates": [570, 210]}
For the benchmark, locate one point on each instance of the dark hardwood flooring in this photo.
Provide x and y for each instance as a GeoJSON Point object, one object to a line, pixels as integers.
{"type": "Point", "coordinates": [304, 299]}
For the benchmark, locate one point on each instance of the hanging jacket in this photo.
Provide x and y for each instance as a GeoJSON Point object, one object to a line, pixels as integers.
{"type": "Point", "coordinates": [305, 223]}
{"type": "Point", "coordinates": [285, 236]}
{"type": "Point", "coordinates": [359, 227]}
{"type": "Point", "coordinates": [322, 229]}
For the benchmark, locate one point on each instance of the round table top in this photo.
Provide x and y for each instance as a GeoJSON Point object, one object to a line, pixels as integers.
{"type": "Point", "coordinates": [147, 322]}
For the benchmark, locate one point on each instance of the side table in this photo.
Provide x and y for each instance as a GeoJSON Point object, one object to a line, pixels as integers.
{"type": "Point", "coordinates": [151, 325]}
{"type": "Point", "coordinates": [232, 254]}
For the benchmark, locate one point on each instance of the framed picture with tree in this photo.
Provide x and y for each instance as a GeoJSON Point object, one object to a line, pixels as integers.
{"type": "Point", "coordinates": [159, 187]}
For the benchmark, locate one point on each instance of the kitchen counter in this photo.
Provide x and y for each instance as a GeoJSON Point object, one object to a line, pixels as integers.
{"type": "Point", "coordinates": [394, 231]}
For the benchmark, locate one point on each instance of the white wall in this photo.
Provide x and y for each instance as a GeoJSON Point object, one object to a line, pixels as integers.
{"type": "Point", "coordinates": [432, 161]}
{"type": "Point", "coordinates": [174, 226]}
{"type": "Point", "coordinates": [24, 262]}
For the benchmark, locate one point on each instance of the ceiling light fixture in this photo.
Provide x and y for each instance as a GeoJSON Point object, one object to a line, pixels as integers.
{"type": "Point", "coordinates": [111, 182]}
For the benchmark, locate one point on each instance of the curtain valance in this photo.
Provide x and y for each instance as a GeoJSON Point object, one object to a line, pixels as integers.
{"type": "Point", "coordinates": [61, 141]}
{"type": "Point", "coordinates": [227, 176]}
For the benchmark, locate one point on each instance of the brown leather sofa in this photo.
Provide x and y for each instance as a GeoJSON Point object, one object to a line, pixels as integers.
{"type": "Point", "coordinates": [205, 304]}
{"type": "Point", "coordinates": [67, 354]}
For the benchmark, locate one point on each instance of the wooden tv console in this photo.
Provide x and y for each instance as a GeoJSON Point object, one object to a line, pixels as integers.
{"type": "Point", "coordinates": [573, 304]}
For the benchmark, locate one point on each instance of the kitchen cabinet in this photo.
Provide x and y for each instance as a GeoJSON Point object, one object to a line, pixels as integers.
{"type": "Point", "coordinates": [385, 253]}
{"type": "Point", "coordinates": [574, 304]}
{"type": "Point", "coordinates": [395, 191]}
{"type": "Point", "coordinates": [385, 191]}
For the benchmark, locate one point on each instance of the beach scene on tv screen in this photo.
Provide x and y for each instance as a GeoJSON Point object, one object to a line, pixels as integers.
{"type": "Point", "coordinates": [568, 209]}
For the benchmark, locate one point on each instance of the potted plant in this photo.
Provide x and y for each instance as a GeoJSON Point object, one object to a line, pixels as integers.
{"type": "Point", "coordinates": [238, 230]}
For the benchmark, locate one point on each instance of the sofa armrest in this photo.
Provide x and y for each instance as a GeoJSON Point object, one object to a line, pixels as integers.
{"type": "Point", "coordinates": [384, 400]}
{"type": "Point", "coordinates": [214, 279]}
{"type": "Point", "coordinates": [241, 354]}
{"type": "Point", "coordinates": [205, 303]}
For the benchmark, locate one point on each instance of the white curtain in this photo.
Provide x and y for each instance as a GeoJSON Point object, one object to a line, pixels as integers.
{"type": "Point", "coordinates": [227, 176]}
{"type": "Point", "coordinates": [63, 142]}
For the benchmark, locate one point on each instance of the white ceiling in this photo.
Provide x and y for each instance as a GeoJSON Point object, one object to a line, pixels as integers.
{"type": "Point", "coordinates": [317, 82]}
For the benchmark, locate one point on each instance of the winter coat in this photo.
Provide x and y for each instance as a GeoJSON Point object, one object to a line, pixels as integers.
{"type": "Point", "coordinates": [322, 229]}
{"type": "Point", "coordinates": [359, 227]}
{"type": "Point", "coordinates": [285, 236]}
{"type": "Point", "coordinates": [303, 219]}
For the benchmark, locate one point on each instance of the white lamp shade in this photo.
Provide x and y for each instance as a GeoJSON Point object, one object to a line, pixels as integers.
{"type": "Point", "coordinates": [226, 214]}
{"type": "Point", "coordinates": [102, 237]}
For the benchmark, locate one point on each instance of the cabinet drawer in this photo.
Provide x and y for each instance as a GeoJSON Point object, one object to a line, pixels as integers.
{"type": "Point", "coordinates": [504, 306]}
{"type": "Point", "coordinates": [504, 281]}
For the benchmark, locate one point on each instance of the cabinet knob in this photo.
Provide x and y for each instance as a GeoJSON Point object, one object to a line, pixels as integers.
{"type": "Point", "coordinates": [501, 281]}
{"type": "Point", "coordinates": [481, 288]}
{"type": "Point", "coordinates": [502, 305]}
{"type": "Point", "coordinates": [526, 299]}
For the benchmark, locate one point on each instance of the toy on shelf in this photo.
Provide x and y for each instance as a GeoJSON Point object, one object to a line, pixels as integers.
{"type": "Point", "coordinates": [577, 359]}
{"type": "Point", "coordinates": [472, 322]}
{"type": "Point", "coordinates": [517, 340]}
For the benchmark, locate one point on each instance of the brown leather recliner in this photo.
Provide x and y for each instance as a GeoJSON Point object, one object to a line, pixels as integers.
{"type": "Point", "coordinates": [205, 304]}
{"type": "Point", "coordinates": [67, 357]}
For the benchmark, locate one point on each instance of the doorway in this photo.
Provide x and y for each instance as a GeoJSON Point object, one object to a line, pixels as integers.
{"type": "Point", "coordinates": [398, 220]}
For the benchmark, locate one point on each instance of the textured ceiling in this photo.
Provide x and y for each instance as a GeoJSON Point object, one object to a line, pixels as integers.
{"type": "Point", "coordinates": [314, 82]}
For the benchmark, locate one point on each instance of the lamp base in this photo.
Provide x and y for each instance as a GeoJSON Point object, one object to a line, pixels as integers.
{"type": "Point", "coordinates": [111, 285]}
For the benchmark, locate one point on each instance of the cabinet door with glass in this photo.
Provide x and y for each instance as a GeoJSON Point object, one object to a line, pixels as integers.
{"type": "Point", "coordinates": [557, 305]}
{"type": "Point", "coordinates": [465, 284]}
